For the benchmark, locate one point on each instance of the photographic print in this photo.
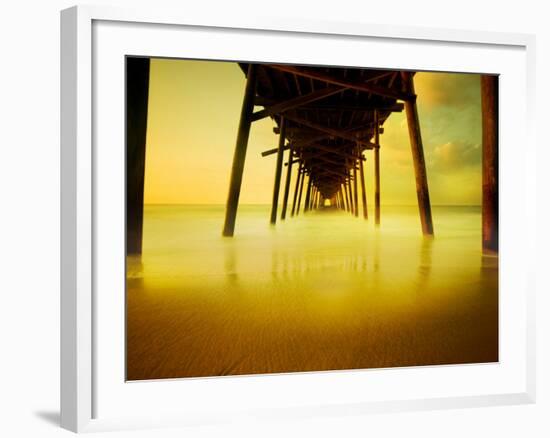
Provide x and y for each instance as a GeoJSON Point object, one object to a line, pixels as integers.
{"type": "Point", "coordinates": [296, 218]}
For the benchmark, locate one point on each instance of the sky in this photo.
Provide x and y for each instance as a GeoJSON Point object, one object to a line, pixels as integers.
{"type": "Point", "coordinates": [194, 109]}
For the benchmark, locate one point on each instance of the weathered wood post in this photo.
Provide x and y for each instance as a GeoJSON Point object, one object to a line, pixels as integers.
{"type": "Point", "coordinates": [298, 178]}
{"type": "Point", "coordinates": [301, 190]}
{"type": "Point", "coordinates": [346, 193]}
{"type": "Point", "coordinates": [417, 148]}
{"type": "Point", "coordinates": [355, 196]}
{"type": "Point", "coordinates": [278, 171]}
{"type": "Point", "coordinates": [312, 197]}
{"type": "Point", "coordinates": [317, 199]}
{"type": "Point", "coordinates": [137, 99]}
{"type": "Point", "coordinates": [363, 191]}
{"type": "Point", "coordinates": [308, 195]}
{"type": "Point", "coordinates": [351, 206]}
{"type": "Point", "coordinates": [287, 183]}
{"type": "Point", "coordinates": [489, 122]}
{"type": "Point", "coordinates": [376, 168]}
{"type": "Point", "coordinates": [240, 152]}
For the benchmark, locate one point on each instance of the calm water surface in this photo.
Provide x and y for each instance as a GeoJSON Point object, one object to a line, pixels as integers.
{"type": "Point", "coordinates": [322, 291]}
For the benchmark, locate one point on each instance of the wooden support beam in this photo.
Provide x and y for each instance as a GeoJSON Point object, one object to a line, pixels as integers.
{"type": "Point", "coordinates": [351, 206]}
{"type": "Point", "coordinates": [308, 195]}
{"type": "Point", "coordinates": [272, 151]}
{"type": "Point", "coordinates": [137, 101]}
{"type": "Point", "coordinates": [316, 200]}
{"type": "Point", "coordinates": [287, 182]}
{"type": "Point", "coordinates": [322, 157]}
{"type": "Point", "coordinates": [303, 142]}
{"type": "Point", "coordinates": [346, 198]}
{"type": "Point", "coordinates": [489, 123]}
{"type": "Point", "coordinates": [364, 107]}
{"type": "Point", "coordinates": [342, 199]}
{"type": "Point", "coordinates": [327, 170]}
{"type": "Point", "coordinates": [333, 132]}
{"type": "Point", "coordinates": [300, 191]}
{"type": "Point", "coordinates": [295, 198]}
{"type": "Point", "coordinates": [348, 83]}
{"type": "Point", "coordinates": [355, 200]}
{"type": "Point", "coordinates": [355, 133]}
{"type": "Point", "coordinates": [328, 150]}
{"type": "Point", "coordinates": [281, 107]}
{"type": "Point", "coordinates": [377, 170]}
{"type": "Point", "coordinates": [240, 152]}
{"type": "Point", "coordinates": [278, 171]}
{"type": "Point", "coordinates": [363, 191]}
{"type": "Point", "coordinates": [417, 148]}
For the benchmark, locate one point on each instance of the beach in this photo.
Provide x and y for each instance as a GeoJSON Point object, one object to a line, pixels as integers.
{"type": "Point", "coordinates": [318, 292]}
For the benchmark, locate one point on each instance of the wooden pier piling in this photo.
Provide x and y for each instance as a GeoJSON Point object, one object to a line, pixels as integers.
{"type": "Point", "coordinates": [376, 168]}
{"type": "Point", "coordinates": [363, 191]}
{"type": "Point", "coordinates": [351, 205]}
{"type": "Point", "coordinates": [240, 152]}
{"type": "Point", "coordinates": [489, 121]}
{"type": "Point", "coordinates": [308, 195]}
{"type": "Point", "coordinates": [300, 192]}
{"type": "Point", "coordinates": [278, 171]}
{"type": "Point", "coordinates": [287, 182]}
{"type": "Point", "coordinates": [422, 192]}
{"type": "Point", "coordinates": [346, 194]}
{"type": "Point", "coordinates": [137, 101]}
{"type": "Point", "coordinates": [355, 195]}
{"type": "Point", "coordinates": [296, 188]}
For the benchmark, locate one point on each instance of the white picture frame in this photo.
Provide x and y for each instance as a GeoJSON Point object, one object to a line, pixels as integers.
{"type": "Point", "coordinates": [82, 45]}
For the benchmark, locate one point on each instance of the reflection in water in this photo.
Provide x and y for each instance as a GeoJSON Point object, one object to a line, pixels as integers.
{"type": "Point", "coordinates": [319, 292]}
{"type": "Point", "coordinates": [230, 265]}
{"type": "Point", "coordinates": [425, 262]}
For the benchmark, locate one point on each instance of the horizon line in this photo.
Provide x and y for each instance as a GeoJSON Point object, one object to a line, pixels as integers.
{"type": "Point", "coordinates": [268, 204]}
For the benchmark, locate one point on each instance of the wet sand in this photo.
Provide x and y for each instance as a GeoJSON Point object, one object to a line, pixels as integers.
{"type": "Point", "coordinates": [324, 291]}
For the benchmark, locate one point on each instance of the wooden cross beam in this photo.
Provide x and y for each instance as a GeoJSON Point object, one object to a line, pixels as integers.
{"type": "Point", "coordinates": [273, 151]}
{"type": "Point", "coordinates": [293, 161]}
{"type": "Point", "coordinates": [333, 132]}
{"type": "Point", "coordinates": [348, 83]}
{"type": "Point", "coordinates": [397, 107]}
{"type": "Point", "coordinates": [281, 107]}
{"type": "Point", "coordinates": [356, 132]}
{"type": "Point", "coordinates": [321, 164]}
{"type": "Point", "coordinates": [325, 159]}
{"type": "Point", "coordinates": [326, 170]}
{"type": "Point", "coordinates": [336, 151]}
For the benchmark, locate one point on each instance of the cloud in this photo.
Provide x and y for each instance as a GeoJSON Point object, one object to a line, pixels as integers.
{"type": "Point", "coordinates": [447, 90]}
{"type": "Point", "coordinates": [454, 155]}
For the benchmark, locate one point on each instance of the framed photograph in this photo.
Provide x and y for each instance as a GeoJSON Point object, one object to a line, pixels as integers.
{"type": "Point", "coordinates": [275, 219]}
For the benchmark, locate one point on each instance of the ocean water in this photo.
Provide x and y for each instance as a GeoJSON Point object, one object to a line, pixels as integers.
{"type": "Point", "coordinates": [321, 291]}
